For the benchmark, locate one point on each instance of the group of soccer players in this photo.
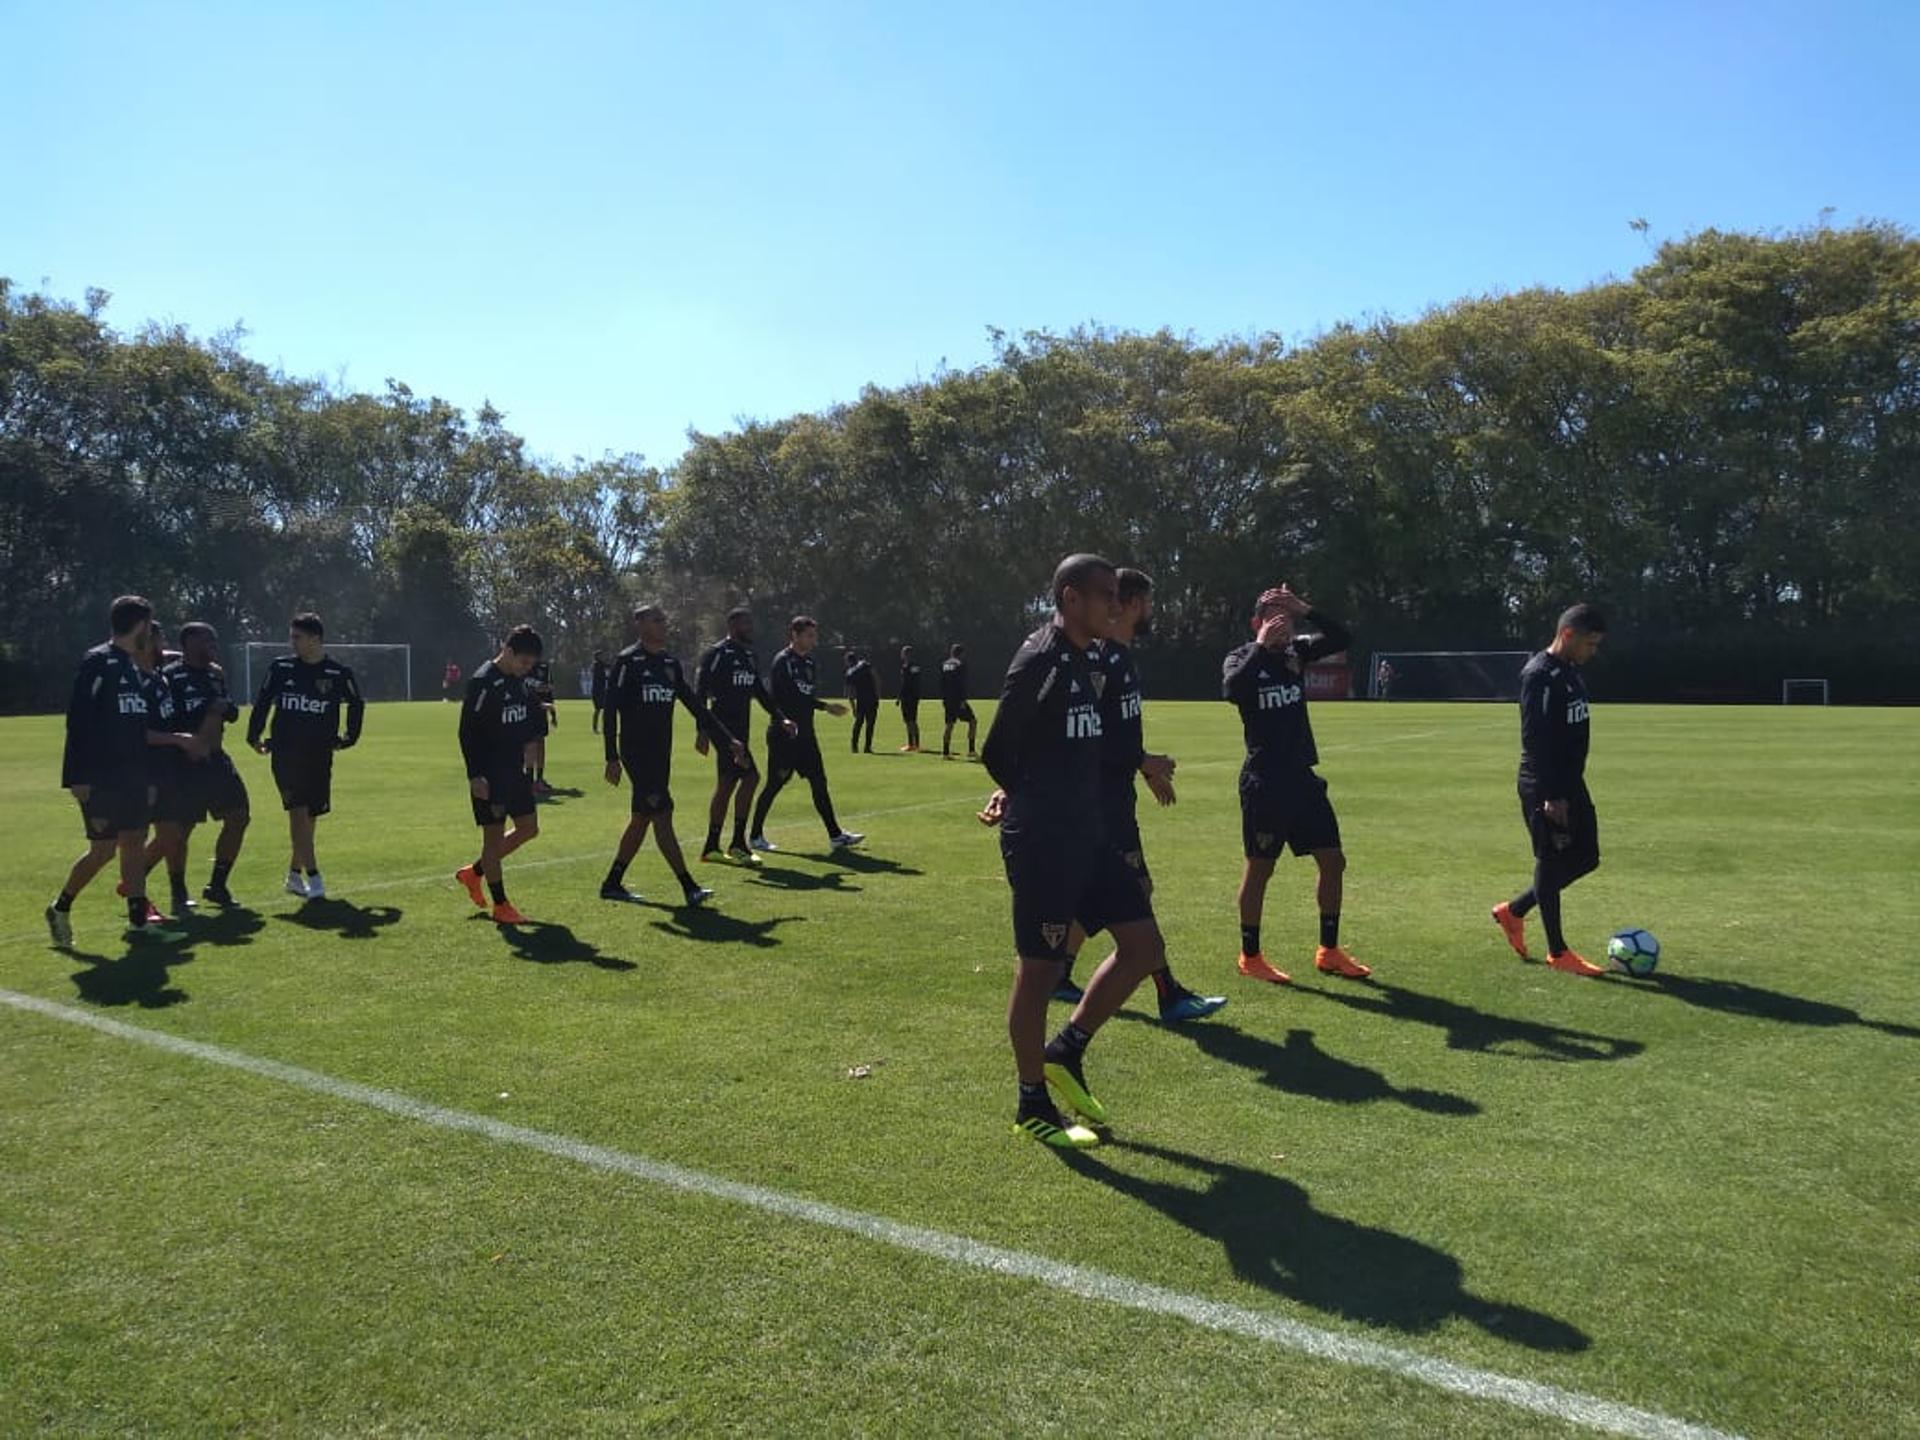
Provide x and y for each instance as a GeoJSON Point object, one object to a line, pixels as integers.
{"type": "Point", "coordinates": [145, 756]}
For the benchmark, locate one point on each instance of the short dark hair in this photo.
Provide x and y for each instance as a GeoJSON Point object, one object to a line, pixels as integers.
{"type": "Point", "coordinates": [739, 612]}
{"type": "Point", "coordinates": [1582, 619]}
{"type": "Point", "coordinates": [1133, 584]}
{"type": "Point", "coordinates": [524, 640]}
{"type": "Point", "coordinates": [308, 623]}
{"type": "Point", "coordinates": [802, 622]}
{"type": "Point", "coordinates": [196, 630]}
{"type": "Point", "coordinates": [127, 612]}
{"type": "Point", "coordinates": [1073, 573]}
{"type": "Point", "coordinates": [641, 612]}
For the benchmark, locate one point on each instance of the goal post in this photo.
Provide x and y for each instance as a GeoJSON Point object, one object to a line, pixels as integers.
{"type": "Point", "coordinates": [384, 672]}
{"type": "Point", "coordinates": [1804, 692]}
{"type": "Point", "coordinates": [1445, 674]}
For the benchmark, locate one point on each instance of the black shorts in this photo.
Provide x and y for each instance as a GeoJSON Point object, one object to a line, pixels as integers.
{"type": "Point", "coordinates": [114, 808]}
{"type": "Point", "coordinates": [724, 767]}
{"type": "Point", "coordinates": [647, 777]}
{"type": "Point", "coordinates": [1059, 882]}
{"type": "Point", "coordinates": [1123, 831]}
{"type": "Point", "coordinates": [176, 800]}
{"type": "Point", "coordinates": [1286, 812]}
{"type": "Point", "coordinates": [795, 755]}
{"type": "Point", "coordinates": [960, 711]}
{"type": "Point", "coordinates": [1577, 843]}
{"type": "Point", "coordinates": [509, 797]}
{"type": "Point", "coordinates": [304, 779]}
{"type": "Point", "coordinates": [221, 792]}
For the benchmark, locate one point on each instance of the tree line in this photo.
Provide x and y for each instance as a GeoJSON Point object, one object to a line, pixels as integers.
{"type": "Point", "coordinates": [1723, 449]}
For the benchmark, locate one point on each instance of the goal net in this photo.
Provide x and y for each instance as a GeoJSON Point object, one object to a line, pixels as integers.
{"type": "Point", "coordinates": [384, 672]}
{"type": "Point", "coordinates": [1445, 674]}
{"type": "Point", "coordinates": [1803, 692]}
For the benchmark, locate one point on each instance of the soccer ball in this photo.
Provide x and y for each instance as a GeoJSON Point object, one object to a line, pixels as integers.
{"type": "Point", "coordinates": [1634, 951]}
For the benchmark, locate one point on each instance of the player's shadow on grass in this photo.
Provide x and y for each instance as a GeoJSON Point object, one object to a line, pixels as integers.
{"type": "Point", "coordinates": [716, 927]}
{"type": "Point", "coordinates": [559, 794]}
{"type": "Point", "coordinates": [543, 942]}
{"type": "Point", "coordinates": [233, 925]}
{"type": "Point", "coordinates": [782, 877]}
{"type": "Point", "coordinates": [140, 977]}
{"type": "Point", "coordinates": [1478, 1030]}
{"type": "Point", "coordinates": [864, 863]}
{"type": "Point", "coordinates": [1736, 997]}
{"type": "Point", "coordinates": [346, 919]}
{"type": "Point", "coordinates": [1274, 1238]}
{"type": "Point", "coordinates": [1300, 1067]}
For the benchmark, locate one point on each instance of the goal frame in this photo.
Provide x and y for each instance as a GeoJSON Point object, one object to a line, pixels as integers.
{"type": "Point", "coordinates": [1786, 688]}
{"type": "Point", "coordinates": [1373, 665]}
{"type": "Point", "coordinates": [279, 647]}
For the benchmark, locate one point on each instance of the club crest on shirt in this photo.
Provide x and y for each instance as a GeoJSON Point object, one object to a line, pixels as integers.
{"type": "Point", "coordinates": [1264, 840]}
{"type": "Point", "coordinates": [1054, 935]}
{"type": "Point", "coordinates": [1098, 679]}
{"type": "Point", "coordinates": [325, 687]}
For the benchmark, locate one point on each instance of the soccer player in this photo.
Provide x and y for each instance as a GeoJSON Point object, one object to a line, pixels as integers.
{"type": "Point", "coordinates": [540, 685]}
{"type": "Point", "coordinates": [450, 681]}
{"type": "Point", "coordinates": [795, 691]}
{"type": "Point", "coordinates": [863, 689]}
{"type": "Point", "coordinates": [203, 706]}
{"type": "Point", "coordinates": [303, 694]}
{"type": "Point", "coordinates": [728, 681]}
{"type": "Point", "coordinates": [601, 670]}
{"type": "Point", "coordinates": [497, 719]}
{"type": "Point", "coordinates": [909, 699]}
{"type": "Point", "coordinates": [1283, 803]}
{"type": "Point", "coordinates": [105, 767]}
{"type": "Point", "coordinates": [953, 700]}
{"type": "Point", "coordinates": [1043, 751]}
{"type": "Point", "coordinates": [645, 685]}
{"type": "Point", "coordinates": [1554, 803]}
{"type": "Point", "coordinates": [1123, 755]}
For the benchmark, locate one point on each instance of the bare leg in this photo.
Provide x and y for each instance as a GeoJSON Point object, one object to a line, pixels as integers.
{"type": "Point", "coordinates": [1033, 986]}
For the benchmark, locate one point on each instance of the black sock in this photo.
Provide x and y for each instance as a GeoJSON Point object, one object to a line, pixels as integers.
{"type": "Point", "coordinates": [1249, 939]}
{"type": "Point", "coordinates": [1330, 929]}
{"type": "Point", "coordinates": [64, 903]}
{"type": "Point", "coordinates": [1546, 891]}
{"type": "Point", "coordinates": [1033, 1096]}
{"type": "Point", "coordinates": [136, 910]}
{"type": "Point", "coordinates": [313, 872]}
{"type": "Point", "coordinates": [177, 883]}
{"type": "Point", "coordinates": [713, 840]}
{"type": "Point", "coordinates": [617, 871]}
{"type": "Point", "coordinates": [1163, 982]}
{"type": "Point", "coordinates": [497, 889]}
{"type": "Point", "coordinates": [221, 870]}
{"type": "Point", "coordinates": [687, 882]}
{"type": "Point", "coordinates": [1070, 1043]}
{"type": "Point", "coordinates": [739, 833]}
{"type": "Point", "coordinates": [1523, 902]}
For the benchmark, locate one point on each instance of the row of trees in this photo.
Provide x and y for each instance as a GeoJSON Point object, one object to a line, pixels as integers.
{"type": "Point", "coordinates": [1725, 449]}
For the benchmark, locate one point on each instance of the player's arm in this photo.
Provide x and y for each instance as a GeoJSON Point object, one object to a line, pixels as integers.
{"type": "Point", "coordinates": [1240, 674]}
{"type": "Point", "coordinates": [263, 704]}
{"type": "Point", "coordinates": [83, 730]}
{"type": "Point", "coordinates": [1543, 723]}
{"type": "Point", "coordinates": [703, 716]}
{"type": "Point", "coordinates": [1326, 636]}
{"type": "Point", "coordinates": [1028, 680]}
{"type": "Point", "coordinates": [356, 709]}
{"type": "Point", "coordinates": [610, 712]}
{"type": "Point", "coordinates": [477, 729]}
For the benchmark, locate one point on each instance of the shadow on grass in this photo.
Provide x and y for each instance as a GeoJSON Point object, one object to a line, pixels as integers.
{"type": "Point", "coordinates": [715, 927]}
{"type": "Point", "coordinates": [559, 794]}
{"type": "Point", "coordinates": [1736, 997]}
{"type": "Point", "coordinates": [1479, 1030]}
{"type": "Point", "coordinates": [1274, 1238]}
{"type": "Point", "coordinates": [863, 863]}
{"type": "Point", "coordinates": [1299, 1066]}
{"type": "Point", "coordinates": [544, 942]}
{"type": "Point", "coordinates": [140, 977]}
{"type": "Point", "coordinates": [344, 918]}
{"type": "Point", "coordinates": [233, 925]}
{"type": "Point", "coordinates": [781, 877]}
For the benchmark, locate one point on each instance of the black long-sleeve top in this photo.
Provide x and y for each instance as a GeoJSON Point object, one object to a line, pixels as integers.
{"type": "Point", "coordinates": [1044, 746]}
{"type": "Point", "coordinates": [304, 702]}
{"type": "Point", "coordinates": [1554, 725]}
{"type": "Point", "coordinates": [106, 721]}
{"type": "Point", "coordinates": [728, 679]}
{"type": "Point", "coordinates": [796, 689]}
{"type": "Point", "coordinates": [641, 693]}
{"type": "Point", "coordinates": [498, 717]}
{"type": "Point", "coordinates": [1269, 689]}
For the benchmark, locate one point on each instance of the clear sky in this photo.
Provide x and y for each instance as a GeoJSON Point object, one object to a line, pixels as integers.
{"type": "Point", "coordinates": [621, 220]}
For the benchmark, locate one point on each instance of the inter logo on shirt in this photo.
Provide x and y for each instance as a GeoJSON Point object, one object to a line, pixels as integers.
{"type": "Point", "coordinates": [305, 704]}
{"type": "Point", "coordinates": [1130, 707]}
{"type": "Point", "coordinates": [512, 714]}
{"type": "Point", "coordinates": [1278, 697]}
{"type": "Point", "coordinates": [1083, 723]}
{"type": "Point", "coordinates": [656, 694]}
{"type": "Point", "coordinates": [1577, 711]}
{"type": "Point", "coordinates": [132, 703]}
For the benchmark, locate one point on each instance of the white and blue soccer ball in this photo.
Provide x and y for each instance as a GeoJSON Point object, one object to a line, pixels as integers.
{"type": "Point", "coordinates": [1634, 951]}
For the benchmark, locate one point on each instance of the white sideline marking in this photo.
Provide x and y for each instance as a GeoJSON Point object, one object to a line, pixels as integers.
{"type": "Point", "coordinates": [1079, 1280]}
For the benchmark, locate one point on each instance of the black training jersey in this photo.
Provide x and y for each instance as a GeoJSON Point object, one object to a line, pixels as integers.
{"type": "Point", "coordinates": [641, 693]}
{"type": "Point", "coordinates": [728, 680]}
{"type": "Point", "coordinates": [164, 762]}
{"type": "Point", "coordinates": [600, 672]}
{"type": "Point", "coordinates": [953, 682]}
{"type": "Point", "coordinates": [195, 693]}
{"type": "Point", "coordinates": [795, 688]}
{"type": "Point", "coordinates": [909, 681]}
{"type": "Point", "coordinates": [863, 686]}
{"type": "Point", "coordinates": [1044, 745]}
{"type": "Point", "coordinates": [1554, 727]}
{"type": "Point", "coordinates": [106, 721]}
{"type": "Point", "coordinates": [305, 702]}
{"type": "Point", "coordinates": [1269, 688]}
{"type": "Point", "coordinates": [498, 718]}
{"type": "Point", "coordinates": [1123, 742]}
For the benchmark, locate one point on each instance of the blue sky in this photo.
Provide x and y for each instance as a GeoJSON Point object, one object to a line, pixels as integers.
{"type": "Point", "coordinates": [617, 221]}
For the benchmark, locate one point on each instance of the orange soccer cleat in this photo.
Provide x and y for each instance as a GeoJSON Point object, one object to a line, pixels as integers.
{"type": "Point", "coordinates": [1255, 967]}
{"type": "Point", "coordinates": [1332, 960]}
{"type": "Point", "coordinates": [1513, 926]}
{"type": "Point", "coordinates": [1573, 964]}
{"type": "Point", "coordinates": [505, 914]}
{"type": "Point", "coordinates": [470, 877]}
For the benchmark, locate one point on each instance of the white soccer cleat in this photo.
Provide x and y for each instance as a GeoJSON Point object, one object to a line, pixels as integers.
{"type": "Point", "coordinates": [316, 887]}
{"type": "Point", "coordinates": [296, 884]}
{"type": "Point", "coordinates": [760, 842]}
{"type": "Point", "coordinates": [847, 839]}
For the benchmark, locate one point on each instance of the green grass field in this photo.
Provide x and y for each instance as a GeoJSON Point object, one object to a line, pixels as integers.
{"type": "Point", "coordinates": [1695, 1196]}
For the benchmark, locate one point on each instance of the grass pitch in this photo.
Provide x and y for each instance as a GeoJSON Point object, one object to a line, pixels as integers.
{"type": "Point", "coordinates": [1693, 1195]}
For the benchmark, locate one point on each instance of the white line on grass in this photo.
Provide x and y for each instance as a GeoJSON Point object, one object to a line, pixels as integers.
{"type": "Point", "coordinates": [1079, 1280]}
